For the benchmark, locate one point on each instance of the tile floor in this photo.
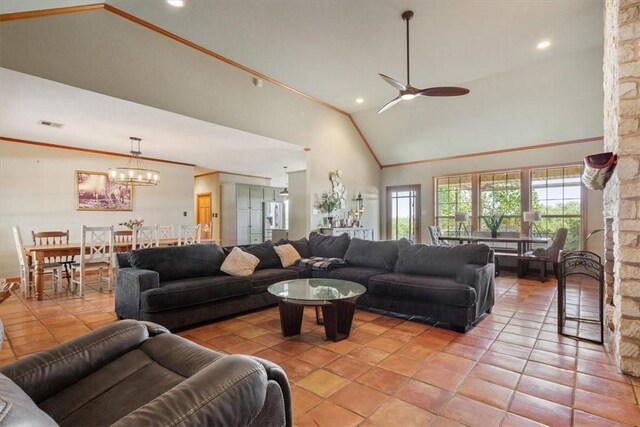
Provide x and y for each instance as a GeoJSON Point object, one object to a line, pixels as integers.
{"type": "Point", "coordinates": [513, 369]}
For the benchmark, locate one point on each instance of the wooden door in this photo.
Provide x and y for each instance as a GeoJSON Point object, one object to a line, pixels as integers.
{"type": "Point", "coordinates": [204, 214]}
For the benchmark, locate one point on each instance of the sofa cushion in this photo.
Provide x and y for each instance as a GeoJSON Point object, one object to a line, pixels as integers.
{"type": "Point", "coordinates": [302, 246]}
{"type": "Point", "coordinates": [435, 290]}
{"type": "Point", "coordinates": [302, 272]}
{"type": "Point", "coordinates": [428, 260]}
{"type": "Point", "coordinates": [287, 254]}
{"type": "Point", "coordinates": [367, 253]}
{"type": "Point", "coordinates": [262, 279]}
{"type": "Point", "coordinates": [17, 408]}
{"type": "Point", "coordinates": [194, 291]}
{"type": "Point", "coordinates": [328, 246]}
{"type": "Point", "coordinates": [240, 263]}
{"type": "Point", "coordinates": [265, 253]}
{"type": "Point", "coordinates": [179, 262]}
{"type": "Point", "coordinates": [356, 274]}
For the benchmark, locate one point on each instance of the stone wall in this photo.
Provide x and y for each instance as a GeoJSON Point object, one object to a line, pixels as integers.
{"type": "Point", "coordinates": [622, 194]}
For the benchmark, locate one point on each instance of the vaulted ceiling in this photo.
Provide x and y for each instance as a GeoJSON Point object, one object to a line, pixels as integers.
{"type": "Point", "coordinates": [333, 50]}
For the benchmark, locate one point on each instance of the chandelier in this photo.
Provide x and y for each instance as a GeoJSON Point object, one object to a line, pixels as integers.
{"type": "Point", "coordinates": [134, 173]}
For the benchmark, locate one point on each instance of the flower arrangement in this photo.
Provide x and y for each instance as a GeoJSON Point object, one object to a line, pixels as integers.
{"type": "Point", "coordinates": [328, 203]}
{"type": "Point", "coordinates": [132, 222]}
{"type": "Point", "coordinates": [493, 222]}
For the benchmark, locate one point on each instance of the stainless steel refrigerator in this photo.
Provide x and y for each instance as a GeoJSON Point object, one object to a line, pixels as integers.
{"type": "Point", "coordinates": [273, 218]}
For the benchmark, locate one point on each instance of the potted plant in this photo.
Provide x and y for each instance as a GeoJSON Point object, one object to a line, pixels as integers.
{"type": "Point", "coordinates": [132, 222]}
{"type": "Point", "coordinates": [328, 204]}
{"type": "Point", "coordinates": [493, 223]}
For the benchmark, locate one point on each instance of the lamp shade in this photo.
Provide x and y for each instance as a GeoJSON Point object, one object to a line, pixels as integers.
{"type": "Point", "coordinates": [462, 216]}
{"type": "Point", "coordinates": [531, 216]}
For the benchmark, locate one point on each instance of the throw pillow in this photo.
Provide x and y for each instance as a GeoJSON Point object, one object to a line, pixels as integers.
{"type": "Point", "coordinates": [288, 254]}
{"type": "Point", "coordinates": [240, 263]}
{"type": "Point", "coordinates": [301, 246]}
{"type": "Point", "coordinates": [328, 246]}
{"type": "Point", "coordinates": [265, 253]}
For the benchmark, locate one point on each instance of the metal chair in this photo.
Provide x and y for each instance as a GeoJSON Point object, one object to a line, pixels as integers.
{"type": "Point", "coordinates": [145, 236]}
{"type": "Point", "coordinates": [189, 234]}
{"type": "Point", "coordinates": [26, 270]}
{"type": "Point", "coordinates": [166, 231]}
{"type": "Point", "coordinates": [55, 238]}
{"type": "Point", "coordinates": [96, 249]}
{"type": "Point", "coordinates": [435, 232]}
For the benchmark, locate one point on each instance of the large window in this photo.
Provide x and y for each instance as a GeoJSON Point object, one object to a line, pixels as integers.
{"type": "Point", "coordinates": [556, 193]}
{"type": "Point", "coordinates": [500, 195]}
{"type": "Point", "coordinates": [453, 195]}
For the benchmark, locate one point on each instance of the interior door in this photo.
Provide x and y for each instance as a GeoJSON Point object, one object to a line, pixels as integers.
{"type": "Point", "coordinates": [204, 214]}
{"type": "Point", "coordinates": [403, 212]}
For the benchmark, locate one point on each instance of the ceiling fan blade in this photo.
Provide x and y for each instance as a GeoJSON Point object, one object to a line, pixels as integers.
{"type": "Point", "coordinates": [389, 104]}
{"type": "Point", "coordinates": [393, 82]}
{"type": "Point", "coordinates": [444, 91]}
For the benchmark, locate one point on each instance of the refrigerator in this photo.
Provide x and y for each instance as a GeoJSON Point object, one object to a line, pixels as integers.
{"type": "Point", "coordinates": [273, 218]}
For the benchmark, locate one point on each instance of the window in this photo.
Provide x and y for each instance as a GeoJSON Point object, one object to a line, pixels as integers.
{"type": "Point", "coordinates": [453, 195]}
{"type": "Point", "coordinates": [501, 194]}
{"type": "Point", "coordinates": [556, 193]}
{"type": "Point", "coordinates": [403, 208]}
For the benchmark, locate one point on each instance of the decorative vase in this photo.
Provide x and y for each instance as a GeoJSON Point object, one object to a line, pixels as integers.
{"type": "Point", "coordinates": [494, 234]}
{"type": "Point", "coordinates": [330, 220]}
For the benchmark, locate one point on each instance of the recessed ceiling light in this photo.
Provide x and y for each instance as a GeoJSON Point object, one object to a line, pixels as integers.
{"type": "Point", "coordinates": [177, 3]}
{"type": "Point", "coordinates": [359, 100]}
{"type": "Point", "coordinates": [543, 44]}
{"type": "Point", "coordinates": [51, 124]}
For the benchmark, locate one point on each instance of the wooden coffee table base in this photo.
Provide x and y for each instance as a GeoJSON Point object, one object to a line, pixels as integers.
{"type": "Point", "coordinates": [337, 315]}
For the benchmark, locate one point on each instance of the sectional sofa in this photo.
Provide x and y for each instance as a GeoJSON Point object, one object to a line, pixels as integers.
{"type": "Point", "coordinates": [183, 285]}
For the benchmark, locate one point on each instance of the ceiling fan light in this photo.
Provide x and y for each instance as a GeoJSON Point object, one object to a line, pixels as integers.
{"type": "Point", "coordinates": [407, 96]}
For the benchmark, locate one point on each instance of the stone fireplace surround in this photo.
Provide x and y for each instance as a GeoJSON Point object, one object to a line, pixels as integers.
{"type": "Point", "coordinates": [621, 197]}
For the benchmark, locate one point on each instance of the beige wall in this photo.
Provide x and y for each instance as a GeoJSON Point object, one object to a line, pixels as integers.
{"type": "Point", "coordinates": [71, 49]}
{"type": "Point", "coordinates": [37, 192]}
{"type": "Point", "coordinates": [424, 173]}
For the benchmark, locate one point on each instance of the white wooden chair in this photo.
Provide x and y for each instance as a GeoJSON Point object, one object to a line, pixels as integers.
{"type": "Point", "coordinates": [189, 234]}
{"type": "Point", "coordinates": [145, 236]}
{"type": "Point", "coordinates": [166, 232]}
{"type": "Point", "coordinates": [96, 249]}
{"type": "Point", "coordinates": [26, 270]}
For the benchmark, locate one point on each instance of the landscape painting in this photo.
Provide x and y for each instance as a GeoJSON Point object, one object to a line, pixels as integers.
{"type": "Point", "coordinates": [94, 192]}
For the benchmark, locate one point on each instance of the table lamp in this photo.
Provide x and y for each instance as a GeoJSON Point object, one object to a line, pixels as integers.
{"type": "Point", "coordinates": [461, 218]}
{"type": "Point", "coordinates": [532, 217]}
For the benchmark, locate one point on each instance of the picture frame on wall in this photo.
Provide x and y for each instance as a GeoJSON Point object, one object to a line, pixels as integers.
{"type": "Point", "coordinates": [94, 192]}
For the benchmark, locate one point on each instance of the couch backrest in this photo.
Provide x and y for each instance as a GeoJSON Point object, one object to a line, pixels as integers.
{"type": "Point", "coordinates": [301, 246]}
{"type": "Point", "coordinates": [265, 253]}
{"type": "Point", "coordinates": [179, 262]}
{"type": "Point", "coordinates": [431, 260]}
{"type": "Point", "coordinates": [369, 253]}
{"type": "Point", "coordinates": [328, 246]}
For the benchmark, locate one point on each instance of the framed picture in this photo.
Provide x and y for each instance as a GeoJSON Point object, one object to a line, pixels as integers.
{"type": "Point", "coordinates": [94, 192]}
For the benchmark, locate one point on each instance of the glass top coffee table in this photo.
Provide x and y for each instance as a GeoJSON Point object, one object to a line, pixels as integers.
{"type": "Point", "coordinates": [337, 298]}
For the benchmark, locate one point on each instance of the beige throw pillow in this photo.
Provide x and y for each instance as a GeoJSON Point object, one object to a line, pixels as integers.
{"type": "Point", "coordinates": [288, 254]}
{"type": "Point", "coordinates": [240, 263]}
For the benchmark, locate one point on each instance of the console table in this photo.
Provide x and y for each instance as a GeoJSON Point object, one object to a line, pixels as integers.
{"type": "Point", "coordinates": [365, 233]}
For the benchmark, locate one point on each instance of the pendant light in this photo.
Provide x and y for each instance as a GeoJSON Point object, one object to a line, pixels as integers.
{"type": "Point", "coordinates": [134, 173]}
{"type": "Point", "coordinates": [285, 192]}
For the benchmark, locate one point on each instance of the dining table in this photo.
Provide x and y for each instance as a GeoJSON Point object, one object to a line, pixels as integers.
{"type": "Point", "coordinates": [523, 242]}
{"type": "Point", "coordinates": [36, 255]}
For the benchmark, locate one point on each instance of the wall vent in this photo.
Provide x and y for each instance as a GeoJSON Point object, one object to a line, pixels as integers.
{"type": "Point", "coordinates": [51, 124]}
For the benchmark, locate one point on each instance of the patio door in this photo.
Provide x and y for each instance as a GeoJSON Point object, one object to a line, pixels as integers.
{"type": "Point", "coordinates": [403, 212]}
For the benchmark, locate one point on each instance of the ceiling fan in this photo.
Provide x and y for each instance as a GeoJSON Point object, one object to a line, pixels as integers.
{"type": "Point", "coordinates": [408, 92]}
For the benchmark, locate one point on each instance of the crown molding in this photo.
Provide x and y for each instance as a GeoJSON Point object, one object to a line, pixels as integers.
{"type": "Point", "coordinates": [231, 173]}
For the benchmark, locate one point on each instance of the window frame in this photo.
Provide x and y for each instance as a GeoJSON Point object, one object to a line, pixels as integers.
{"type": "Point", "coordinates": [436, 203]}
{"type": "Point", "coordinates": [389, 208]}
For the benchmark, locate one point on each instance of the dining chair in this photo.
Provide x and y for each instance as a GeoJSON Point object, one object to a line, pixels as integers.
{"type": "Point", "coordinates": [435, 232]}
{"type": "Point", "coordinates": [189, 234]}
{"type": "Point", "coordinates": [96, 249]}
{"type": "Point", "coordinates": [166, 232]}
{"type": "Point", "coordinates": [55, 238]}
{"type": "Point", "coordinates": [552, 252]}
{"type": "Point", "coordinates": [207, 230]}
{"type": "Point", "coordinates": [26, 270]}
{"type": "Point", "coordinates": [145, 236]}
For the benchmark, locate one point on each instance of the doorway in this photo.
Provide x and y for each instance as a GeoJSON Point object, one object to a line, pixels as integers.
{"type": "Point", "coordinates": [204, 215]}
{"type": "Point", "coordinates": [403, 212]}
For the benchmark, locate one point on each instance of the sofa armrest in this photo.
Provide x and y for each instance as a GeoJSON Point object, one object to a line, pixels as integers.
{"type": "Point", "coordinates": [43, 374]}
{"type": "Point", "coordinates": [130, 283]}
{"type": "Point", "coordinates": [277, 374]}
{"type": "Point", "coordinates": [231, 391]}
{"type": "Point", "coordinates": [474, 274]}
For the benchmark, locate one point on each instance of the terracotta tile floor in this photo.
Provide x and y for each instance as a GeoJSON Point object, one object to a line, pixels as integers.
{"type": "Point", "coordinates": [510, 370]}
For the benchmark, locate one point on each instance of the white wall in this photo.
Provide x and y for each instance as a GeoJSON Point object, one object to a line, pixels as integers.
{"type": "Point", "coordinates": [423, 174]}
{"type": "Point", "coordinates": [37, 192]}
